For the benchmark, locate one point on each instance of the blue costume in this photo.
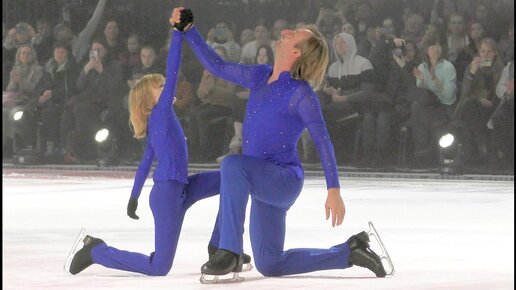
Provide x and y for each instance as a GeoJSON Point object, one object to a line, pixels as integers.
{"type": "Point", "coordinates": [173, 191]}
{"type": "Point", "coordinates": [269, 168]}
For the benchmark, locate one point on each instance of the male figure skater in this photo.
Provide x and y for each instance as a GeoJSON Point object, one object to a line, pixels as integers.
{"type": "Point", "coordinates": [281, 105]}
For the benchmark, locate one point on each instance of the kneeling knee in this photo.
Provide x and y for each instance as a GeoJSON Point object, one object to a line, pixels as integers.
{"type": "Point", "coordinates": [268, 268]}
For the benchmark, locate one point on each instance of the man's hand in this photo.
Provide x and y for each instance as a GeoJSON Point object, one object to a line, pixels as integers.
{"type": "Point", "coordinates": [91, 64]}
{"type": "Point", "coordinates": [98, 66]}
{"type": "Point", "coordinates": [131, 208]}
{"type": "Point", "coordinates": [335, 206]}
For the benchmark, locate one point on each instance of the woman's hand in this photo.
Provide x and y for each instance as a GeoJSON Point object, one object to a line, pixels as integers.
{"type": "Point", "coordinates": [475, 64]}
{"type": "Point", "coordinates": [335, 206]}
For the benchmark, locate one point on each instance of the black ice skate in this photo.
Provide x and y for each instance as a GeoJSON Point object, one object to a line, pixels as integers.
{"type": "Point", "coordinates": [82, 259]}
{"type": "Point", "coordinates": [222, 263]}
{"type": "Point", "coordinates": [247, 259]}
{"type": "Point", "coordinates": [361, 255]}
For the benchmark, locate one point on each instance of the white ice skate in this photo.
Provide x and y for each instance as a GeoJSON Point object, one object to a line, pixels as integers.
{"type": "Point", "coordinates": [216, 279]}
{"type": "Point", "coordinates": [74, 250]}
{"type": "Point", "coordinates": [384, 255]}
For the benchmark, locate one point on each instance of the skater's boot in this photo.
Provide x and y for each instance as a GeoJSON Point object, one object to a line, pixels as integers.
{"type": "Point", "coordinates": [82, 259]}
{"type": "Point", "coordinates": [212, 250]}
{"type": "Point", "coordinates": [362, 255]}
{"type": "Point", "coordinates": [222, 262]}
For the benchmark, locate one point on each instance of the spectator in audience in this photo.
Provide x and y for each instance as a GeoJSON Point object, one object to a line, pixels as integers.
{"type": "Point", "coordinates": [328, 17]}
{"type": "Point", "coordinates": [363, 18]}
{"type": "Point", "coordinates": [99, 101]}
{"type": "Point", "coordinates": [433, 99]}
{"type": "Point", "coordinates": [349, 83]}
{"type": "Point", "coordinates": [457, 37]}
{"type": "Point", "coordinates": [81, 43]}
{"type": "Point", "coordinates": [506, 45]}
{"type": "Point", "coordinates": [261, 36]}
{"type": "Point", "coordinates": [56, 87]}
{"type": "Point", "coordinates": [478, 100]}
{"type": "Point", "coordinates": [265, 56]}
{"type": "Point", "coordinates": [216, 96]}
{"type": "Point", "coordinates": [246, 36]}
{"type": "Point", "coordinates": [483, 15]}
{"type": "Point", "coordinates": [502, 120]}
{"type": "Point", "coordinates": [24, 76]}
{"type": "Point", "coordinates": [414, 29]}
{"type": "Point", "coordinates": [222, 35]}
{"type": "Point", "coordinates": [464, 58]}
{"type": "Point", "coordinates": [43, 41]}
{"type": "Point", "coordinates": [112, 38]}
{"type": "Point", "coordinates": [348, 28]}
{"type": "Point", "coordinates": [22, 34]}
{"type": "Point", "coordinates": [183, 97]}
{"type": "Point", "coordinates": [131, 57]}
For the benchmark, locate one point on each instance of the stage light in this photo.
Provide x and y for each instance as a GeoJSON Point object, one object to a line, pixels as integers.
{"type": "Point", "coordinates": [108, 147]}
{"type": "Point", "coordinates": [18, 115]}
{"type": "Point", "coordinates": [102, 135]}
{"type": "Point", "coordinates": [450, 154]}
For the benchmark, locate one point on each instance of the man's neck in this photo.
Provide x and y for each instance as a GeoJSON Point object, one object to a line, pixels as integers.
{"type": "Point", "coordinates": [279, 67]}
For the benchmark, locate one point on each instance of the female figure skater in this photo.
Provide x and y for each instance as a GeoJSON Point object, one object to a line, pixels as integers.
{"type": "Point", "coordinates": [281, 105]}
{"type": "Point", "coordinates": [152, 115]}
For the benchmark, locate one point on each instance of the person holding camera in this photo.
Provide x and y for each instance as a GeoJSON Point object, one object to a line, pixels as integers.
{"type": "Point", "coordinates": [20, 95]}
{"type": "Point", "coordinates": [99, 82]}
{"type": "Point", "coordinates": [478, 101]}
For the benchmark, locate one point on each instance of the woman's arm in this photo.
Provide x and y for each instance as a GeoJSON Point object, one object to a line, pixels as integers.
{"type": "Point", "coordinates": [143, 171]}
{"type": "Point", "coordinates": [172, 74]}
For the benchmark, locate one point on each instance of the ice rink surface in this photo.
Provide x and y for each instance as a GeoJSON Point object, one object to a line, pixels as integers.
{"type": "Point", "coordinates": [441, 234]}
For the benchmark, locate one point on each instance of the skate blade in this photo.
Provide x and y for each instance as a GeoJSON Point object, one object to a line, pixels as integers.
{"type": "Point", "coordinates": [384, 255]}
{"type": "Point", "coordinates": [69, 259]}
{"type": "Point", "coordinates": [247, 267]}
{"type": "Point", "coordinates": [205, 279]}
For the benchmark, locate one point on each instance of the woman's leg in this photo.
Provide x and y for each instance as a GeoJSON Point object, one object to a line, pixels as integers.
{"type": "Point", "coordinates": [167, 204]}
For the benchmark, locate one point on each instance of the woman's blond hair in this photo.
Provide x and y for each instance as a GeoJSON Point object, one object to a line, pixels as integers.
{"type": "Point", "coordinates": [141, 103]}
{"type": "Point", "coordinates": [312, 64]}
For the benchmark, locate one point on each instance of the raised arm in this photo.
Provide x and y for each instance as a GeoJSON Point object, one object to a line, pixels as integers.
{"type": "Point", "coordinates": [81, 45]}
{"type": "Point", "coordinates": [172, 74]}
{"type": "Point", "coordinates": [234, 72]}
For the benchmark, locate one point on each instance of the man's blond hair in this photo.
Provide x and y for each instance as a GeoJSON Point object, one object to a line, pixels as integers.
{"type": "Point", "coordinates": [311, 65]}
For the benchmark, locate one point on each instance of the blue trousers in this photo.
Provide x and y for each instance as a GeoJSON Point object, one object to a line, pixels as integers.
{"type": "Point", "coordinates": [273, 190]}
{"type": "Point", "coordinates": [169, 201]}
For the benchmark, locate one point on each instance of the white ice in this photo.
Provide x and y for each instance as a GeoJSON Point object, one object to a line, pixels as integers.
{"type": "Point", "coordinates": [441, 234]}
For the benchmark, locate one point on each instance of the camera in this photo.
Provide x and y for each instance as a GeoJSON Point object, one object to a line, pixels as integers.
{"type": "Point", "coordinates": [485, 62]}
{"type": "Point", "coordinates": [94, 55]}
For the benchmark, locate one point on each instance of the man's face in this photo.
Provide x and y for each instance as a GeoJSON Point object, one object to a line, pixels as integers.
{"type": "Point", "coordinates": [456, 24]}
{"type": "Point", "coordinates": [60, 55]}
{"type": "Point", "coordinates": [43, 29]}
{"type": "Point", "coordinates": [111, 30]}
{"type": "Point", "coordinates": [477, 31]}
{"type": "Point", "coordinates": [221, 32]}
{"type": "Point", "coordinates": [260, 33]}
{"type": "Point", "coordinates": [286, 45]}
{"type": "Point", "coordinates": [101, 50]}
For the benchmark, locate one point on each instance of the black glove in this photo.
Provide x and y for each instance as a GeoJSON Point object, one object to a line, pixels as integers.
{"type": "Point", "coordinates": [131, 208]}
{"type": "Point", "coordinates": [186, 19]}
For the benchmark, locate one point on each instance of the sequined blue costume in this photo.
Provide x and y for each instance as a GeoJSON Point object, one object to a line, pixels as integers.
{"type": "Point", "coordinates": [173, 191]}
{"type": "Point", "coordinates": [269, 168]}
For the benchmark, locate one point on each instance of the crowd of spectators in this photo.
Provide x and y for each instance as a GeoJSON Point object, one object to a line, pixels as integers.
{"type": "Point", "coordinates": [422, 67]}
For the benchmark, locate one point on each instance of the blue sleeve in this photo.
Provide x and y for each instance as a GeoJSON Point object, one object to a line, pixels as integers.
{"type": "Point", "coordinates": [240, 74]}
{"type": "Point", "coordinates": [173, 61]}
{"type": "Point", "coordinates": [309, 110]}
{"type": "Point", "coordinates": [143, 171]}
